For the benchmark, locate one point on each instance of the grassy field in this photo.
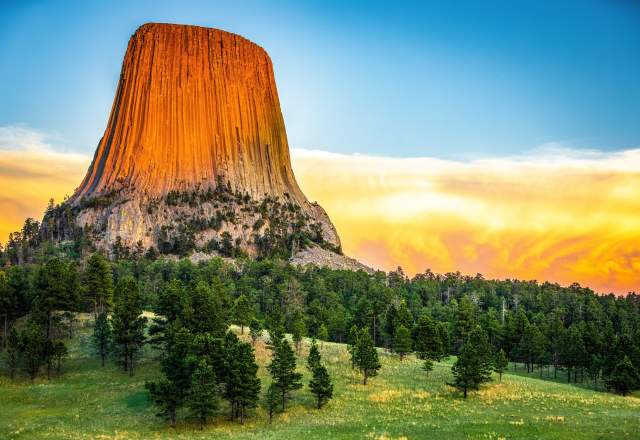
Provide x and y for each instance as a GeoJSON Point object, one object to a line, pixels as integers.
{"type": "Point", "coordinates": [401, 403]}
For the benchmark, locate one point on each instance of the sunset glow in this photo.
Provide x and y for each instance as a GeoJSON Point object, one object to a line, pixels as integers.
{"type": "Point", "coordinates": [556, 214]}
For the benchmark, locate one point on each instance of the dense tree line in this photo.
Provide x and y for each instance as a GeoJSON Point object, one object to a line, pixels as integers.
{"type": "Point", "coordinates": [539, 327]}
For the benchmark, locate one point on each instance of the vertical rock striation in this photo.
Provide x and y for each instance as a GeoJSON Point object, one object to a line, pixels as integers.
{"type": "Point", "coordinates": [194, 107]}
{"type": "Point", "coordinates": [193, 104]}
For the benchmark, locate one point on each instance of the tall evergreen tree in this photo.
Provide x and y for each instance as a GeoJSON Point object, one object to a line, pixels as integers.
{"type": "Point", "coordinates": [271, 400]}
{"type": "Point", "coordinates": [102, 336]}
{"type": "Point", "coordinates": [465, 319]}
{"type": "Point", "coordinates": [172, 305]}
{"type": "Point", "coordinates": [243, 312]}
{"type": "Point", "coordinates": [255, 331]}
{"type": "Point", "coordinates": [177, 364]}
{"type": "Point", "coordinates": [203, 396]}
{"type": "Point", "coordinates": [98, 283]}
{"type": "Point", "coordinates": [473, 366]}
{"type": "Point", "coordinates": [402, 341]}
{"type": "Point", "coordinates": [500, 363]}
{"type": "Point", "coordinates": [320, 385]}
{"type": "Point", "coordinates": [241, 383]}
{"type": "Point", "coordinates": [127, 323]}
{"type": "Point", "coordinates": [313, 360]}
{"type": "Point", "coordinates": [56, 287]}
{"type": "Point", "coordinates": [208, 308]}
{"type": "Point", "coordinates": [366, 355]}
{"type": "Point", "coordinates": [624, 378]}
{"type": "Point", "coordinates": [427, 341]}
{"type": "Point", "coordinates": [33, 343]}
{"type": "Point", "coordinates": [283, 370]}
{"type": "Point", "coordinates": [323, 333]}
{"type": "Point", "coordinates": [531, 347]}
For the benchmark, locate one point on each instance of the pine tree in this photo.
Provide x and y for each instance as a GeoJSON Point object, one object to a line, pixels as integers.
{"type": "Point", "coordinates": [323, 333]}
{"type": "Point", "coordinates": [128, 325]}
{"type": "Point", "coordinates": [177, 364]}
{"type": "Point", "coordinates": [271, 400]}
{"type": "Point", "coordinates": [352, 342]}
{"type": "Point", "coordinates": [595, 368]}
{"type": "Point", "coordinates": [33, 343]}
{"type": "Point", "coordinates": [428, 366]}
{"type": "Point", "coordinates": [208, 309]}
{"type": "Point", "coordinates": [427, 341]}
{"type": "Point", "coordinates": [465, 319]}
{"type": "Point", "coordinates": [171, 305]}
{"type": "Point", "coordinates": [366, 355]}
{"type": "Point", "coordinates": [203, 397]}
{"type": "Point", "coordinates": [102, 336]}
{"type": "Point", "coordinates": [56, 284]}
{"type": "Point", "coordinates": [402, 341]}
{"type": "Point", "coordinates": [624, 378]}
{"type": "Point", "coordinates": [255, 331]}
{"type": "Point", "coordinates": [500, 363]}
{"type": "Point", "coordinates": [390, 323]}
{"type": "Point", "coordinates": [532, 346]}
{"type": "Point", "coordinates": [313, 360]}
{"type": "Point", "coordinates": [239, 375]}
{"type": "Point", "coordinates": [283, 370]}
{"type": "Point", "coordinates": [473, 366]}
{"type": "Point", "coordinates": [321, 385]}
{"type": "Point", "coordinates": [243, 312]}
{"type": "Point", "coordinates": [98, 283]}
{"type": "Point", "coordinates": [404, 316]}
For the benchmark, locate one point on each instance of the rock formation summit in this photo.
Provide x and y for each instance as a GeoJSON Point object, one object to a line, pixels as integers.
{"type": "Point", "coordinates": [195, 151]}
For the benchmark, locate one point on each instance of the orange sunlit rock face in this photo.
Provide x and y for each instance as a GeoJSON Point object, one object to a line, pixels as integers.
{"type": "Point", "coordinates": [193, 104]}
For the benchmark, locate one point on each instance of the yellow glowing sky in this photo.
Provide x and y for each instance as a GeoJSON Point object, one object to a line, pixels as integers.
{"type": "Point", "coordinates": [557, 215]}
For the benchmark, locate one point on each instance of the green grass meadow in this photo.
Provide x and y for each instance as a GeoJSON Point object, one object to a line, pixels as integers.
{"type": "Point", "coordinates": [91, 402]}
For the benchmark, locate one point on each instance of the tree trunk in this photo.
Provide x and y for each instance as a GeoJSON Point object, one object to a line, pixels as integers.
{"type": "Point", "coordinates": [48, 324]}
{"type": "Point", "coordinates": [283, 399]}
{"type": "Point", "coordinates": [465, 392]}
{"type": "Point", "coordinates": [365, 378]}
{"type": "Point", "coordinates": [241, 329]}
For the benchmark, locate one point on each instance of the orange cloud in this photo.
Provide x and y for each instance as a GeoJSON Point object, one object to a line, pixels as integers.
{"type": "Point", "coordinates": [31, 173]}
{"type": "Point", "coordinates": [556, 215]}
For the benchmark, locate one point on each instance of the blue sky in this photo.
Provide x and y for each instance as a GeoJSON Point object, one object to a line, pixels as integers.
{"type": "Point", "coordinates": [448, 79]}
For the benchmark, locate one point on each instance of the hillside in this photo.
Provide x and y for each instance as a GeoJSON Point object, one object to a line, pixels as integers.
{"type": "Point", "coordinates": [401, 403]}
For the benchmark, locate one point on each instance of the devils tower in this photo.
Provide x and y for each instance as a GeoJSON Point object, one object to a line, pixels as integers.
{"type": "Point", "coordinates": [195, 154]}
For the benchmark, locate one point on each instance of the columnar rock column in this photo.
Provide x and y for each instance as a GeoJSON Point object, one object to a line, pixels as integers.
{"type": "Point", "coordinates": [195, 105]}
